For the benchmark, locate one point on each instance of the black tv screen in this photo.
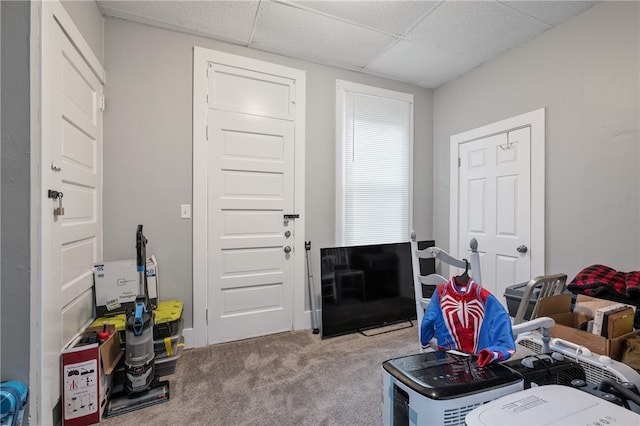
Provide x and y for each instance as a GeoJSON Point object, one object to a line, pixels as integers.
{"type": "Point", "coordinates": [370, 286]}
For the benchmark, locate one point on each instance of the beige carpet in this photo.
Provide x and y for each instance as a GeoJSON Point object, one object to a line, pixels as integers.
{"type": "Point", "coordinates": [293, 378]}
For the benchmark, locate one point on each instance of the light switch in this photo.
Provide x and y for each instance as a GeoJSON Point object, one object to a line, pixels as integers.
{"type": "Point", "coordinates": [185, 211]}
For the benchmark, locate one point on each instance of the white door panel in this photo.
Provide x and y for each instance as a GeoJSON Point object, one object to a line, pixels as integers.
{"type": "Point", "coordinates": [495, 205]}
{"type": "Point", "coordinates": [71, 163]}
{"type": "Point", "coordinates": [75, 314]}
{"type": "Point", "coordinates": [251, 92]}
{"type": "Point", "coordinates": [248, 159]}
{"type": "Point", "coordinates": [250, 189]}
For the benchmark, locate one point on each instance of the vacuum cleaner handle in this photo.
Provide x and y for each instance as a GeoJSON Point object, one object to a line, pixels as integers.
{"type": "Point", "coordinates": [141, 243]}
{"type": "Point", "coordinates": [141, 263]}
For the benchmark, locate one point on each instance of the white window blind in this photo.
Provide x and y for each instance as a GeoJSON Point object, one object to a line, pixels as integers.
{"type": "Point", "coordinates": [374, 168]}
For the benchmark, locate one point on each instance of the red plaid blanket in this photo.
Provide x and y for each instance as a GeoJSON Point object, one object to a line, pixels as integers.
{"type": "Point", "coordinates": [598, 280]}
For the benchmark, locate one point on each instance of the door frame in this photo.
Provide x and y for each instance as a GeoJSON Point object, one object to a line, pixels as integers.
{"type": "Point", "coordinates": [536, 121]}
{"type": "Point", "coordinates": [201, 57]}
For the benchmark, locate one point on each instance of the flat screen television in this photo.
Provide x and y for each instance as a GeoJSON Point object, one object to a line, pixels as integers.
{"type": "Point", "coordinates": [369, 286]}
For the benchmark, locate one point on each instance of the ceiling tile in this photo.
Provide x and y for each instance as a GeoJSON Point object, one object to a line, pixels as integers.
{"type": "Point", "coordinates": [551, 12]}
{"type": "Point", "coordinates": [305, 34]}
{"type": "Point", "coordinates": [480, 29]}
{"type": "Point", "coordinates": [227, 20]}
{"type": "Point", "coordinates": [395, 17]}
{"type": "Point", "coordinates": [427, 67]}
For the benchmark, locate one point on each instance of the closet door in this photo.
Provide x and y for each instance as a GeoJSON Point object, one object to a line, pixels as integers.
{"type": "Point", "coordinates": [71, 197]}
{"type": "Point", "coordinates": [495, 206]}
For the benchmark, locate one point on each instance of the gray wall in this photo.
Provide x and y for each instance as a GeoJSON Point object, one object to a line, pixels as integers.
{"type": "Point", "coordinates": [585, 72]}
{"type": "Point", "coordinates": [16, 184]}
{"type": "Point", "coordinates": [147, 148]}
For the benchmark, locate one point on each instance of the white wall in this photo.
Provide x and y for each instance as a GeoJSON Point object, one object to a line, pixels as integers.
{"type": "Point", "coordinates": [148, 148]}
{"type": "Point", "coordinates": [585, 72]}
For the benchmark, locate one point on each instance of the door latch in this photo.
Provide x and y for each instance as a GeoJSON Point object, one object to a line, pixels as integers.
{"type": "Point", "coordinates": [288, 217]}
{"type": "Point", "coordinates": [57, 195]}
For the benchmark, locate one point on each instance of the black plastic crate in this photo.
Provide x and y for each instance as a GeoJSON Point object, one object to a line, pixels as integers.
{"type": "Point", "coordinates": [513, 294]}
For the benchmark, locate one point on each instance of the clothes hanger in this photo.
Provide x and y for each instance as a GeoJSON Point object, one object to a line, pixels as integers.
{"type": "Point", "coordinates": [463, 280]}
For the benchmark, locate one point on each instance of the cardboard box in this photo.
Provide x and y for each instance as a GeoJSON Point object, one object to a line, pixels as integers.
{"type": "Point", "coordinates": [572, 325]}
{"type": "Point", "coordinates": [117, 285]}
{"type": "Point", "coordinates": [87, 377]}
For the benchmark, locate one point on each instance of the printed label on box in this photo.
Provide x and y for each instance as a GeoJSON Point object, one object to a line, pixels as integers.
{"type": "Point", "coordinates": [80, 389]}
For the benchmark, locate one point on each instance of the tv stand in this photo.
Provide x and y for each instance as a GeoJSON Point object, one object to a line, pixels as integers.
{"type": "Point", "coordinates": [362, 331]}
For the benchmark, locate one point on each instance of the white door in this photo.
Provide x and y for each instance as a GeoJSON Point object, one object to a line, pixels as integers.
{"type": "Point", "coordinates": [497, 197]}
{"type": "Point", "coordinates": [248, 174]}
{"type": "Point", "coordinates": [250, 190]}
{"type": "Point", "coordinates": [495, 206]}
{"type": "Point", "coordinates": [72, 91]}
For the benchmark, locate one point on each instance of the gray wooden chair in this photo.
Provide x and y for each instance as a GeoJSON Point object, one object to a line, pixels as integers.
{"type": "Point", "coordinates": [546, 285]}
{"type": "Point", "coordinates": [472, 266]}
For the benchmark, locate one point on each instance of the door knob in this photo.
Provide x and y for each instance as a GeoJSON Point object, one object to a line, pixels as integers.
{"type": "Point", "coordinates": [287, 249]}
{"type": "Point", "coordinates": [522, 249]}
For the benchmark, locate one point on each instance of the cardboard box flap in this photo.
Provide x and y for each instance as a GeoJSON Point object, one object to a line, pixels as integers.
{"type": "Point", "coordinates": [110, 351]}
{"type": "Point", "coordinates": [553, 305]}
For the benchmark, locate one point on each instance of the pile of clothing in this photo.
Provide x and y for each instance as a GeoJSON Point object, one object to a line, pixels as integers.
{"type": "Point", "coordinates": [601, 280]}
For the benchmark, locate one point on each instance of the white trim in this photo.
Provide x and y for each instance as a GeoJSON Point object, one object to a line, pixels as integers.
{"type": "Point", "coordinates": [35, 332]}
{"type": "Point", "coordinates": [301, 317]}
{"type": "Point", "coordinates": [199, 193]}
{"type": "Point", "coordinates": [201, 57]}
{"type": "Point", "coordinates": [536, 120]}
{"type": "Point", "coordinates": [342, 87]}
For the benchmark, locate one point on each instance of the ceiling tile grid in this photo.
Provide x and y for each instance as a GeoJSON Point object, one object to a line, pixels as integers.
{"type": "Point", "coordinates": [394, 17]}
{"type": "Point", "coordinates": [427, 43]}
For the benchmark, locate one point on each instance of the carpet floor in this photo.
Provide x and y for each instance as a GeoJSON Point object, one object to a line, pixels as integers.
{"type": "Point", "coordinates": [293, 378]}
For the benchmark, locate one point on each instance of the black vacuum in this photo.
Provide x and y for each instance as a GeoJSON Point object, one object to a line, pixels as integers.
{"type": "Point", "coordinates": [141, 388]}
{"type": "Point", "coordinates": [139, 354]}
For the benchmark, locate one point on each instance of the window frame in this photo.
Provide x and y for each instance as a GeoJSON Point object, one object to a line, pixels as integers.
{"type": "Point", "coordinates": [342, 88]}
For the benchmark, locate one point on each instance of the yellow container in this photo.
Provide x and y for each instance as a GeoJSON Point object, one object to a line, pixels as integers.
{"type": "Point", "coordinates": [166, 321]}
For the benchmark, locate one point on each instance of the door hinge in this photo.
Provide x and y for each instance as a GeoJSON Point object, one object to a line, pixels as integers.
{"type": "Point", "coordinates": [459, 162]}
{"type": "Point", "coordinates": [101, 103]}
{"type": "Point", "coordinates": [206, 132]}
{"type": "Point", "coordinates": [206, 314]}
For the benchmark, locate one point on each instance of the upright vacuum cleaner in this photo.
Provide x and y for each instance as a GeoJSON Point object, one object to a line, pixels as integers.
{"type": "Point", "coordinates": [142, 387]}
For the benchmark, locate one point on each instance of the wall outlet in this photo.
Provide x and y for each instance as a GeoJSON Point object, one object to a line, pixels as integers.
{"type": "Point", "coordinates": [185, 211]}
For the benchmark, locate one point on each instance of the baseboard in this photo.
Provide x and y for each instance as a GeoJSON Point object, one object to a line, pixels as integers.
{"type": "Point", "coordinates": [189, 339]}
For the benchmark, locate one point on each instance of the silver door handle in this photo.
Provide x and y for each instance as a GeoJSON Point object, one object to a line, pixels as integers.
{"type": "Point", "coordinates": [287, 249]}
{"type": "Point", "coordinates": [522, 249]}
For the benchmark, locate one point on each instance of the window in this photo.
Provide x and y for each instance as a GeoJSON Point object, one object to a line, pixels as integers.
{"type": "Point", "coordinates": [373, 168]}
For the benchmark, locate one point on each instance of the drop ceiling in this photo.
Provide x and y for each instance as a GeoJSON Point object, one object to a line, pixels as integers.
{"type": "Point", "coordinates": [426, 43]}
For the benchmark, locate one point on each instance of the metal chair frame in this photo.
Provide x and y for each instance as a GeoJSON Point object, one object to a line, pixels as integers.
{"type": "Point", "coordinates": [548, 285]}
